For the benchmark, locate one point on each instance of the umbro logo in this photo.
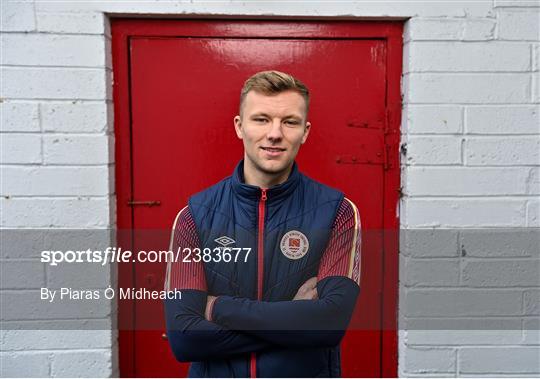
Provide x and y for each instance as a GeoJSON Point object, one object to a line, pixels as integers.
{"type": "Point", "coordinates": [224, 241]}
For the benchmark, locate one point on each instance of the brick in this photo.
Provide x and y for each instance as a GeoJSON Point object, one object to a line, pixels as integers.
{"type": "Point", "coordinates": [418, 29]}
{"type": "Point", "coordinates": [17, 340]}
{"type": "Point", "coordinates": [533, 213]}
{"type": "Point", "coordinates": [479, 30]}
{"type": "Point", "coordinates": [531, 302]}
{"type": "Point", "coordinates": [535, 56]}
{"type": "Point", "coordinates": [28, 305]}
{"type": "Point", "coordinates": [535, 92]}
{"type": "Point", "coordinates": [502, 151]}
{"type": "Point", "coordinates": [108, 57]}
{"type": "Point", "coordinates": [61, 324]}
{"type": "Point", "coordinates": [432, 272]}
{"type": "Point", "coordinates": [516, 3]}
{"type": "Point", "coordinates": [469, 181]}
{"type": "Point", "coordinates": [507, 242]}
{"type": "Point", "coordinates": [428, 360]}
{"type": "Point", "coordinates": [21, 243]}
{"type": "Point", "coordinates": [433, 119]}
{"type": "Point", "coordinates": [464, 212]}
{"type": "Point", "coordinates": [519, 25]}
{"type": "Point", "coordinates": [81, 364]}
{"type": "Point", "coordinates": [502, 120]}
{"type": "Point", "coordinates": [433, 150]}
{"type": "Point", "coordinates": [499, 360]}
{"type": "Point", "coordinates": [467, 56]}
{"type": "Point", "coordinates": [53, 50]}
{"type": "Point", "coordinates": [22, 274]}
{"type": "Point", "coordinates": [423, 243]}
{"type": "Point", "coordinates": [79, 239]}
{"type": "Point", "coordinates": [77, 149]}
{"type": "Point", "coordinates": [28, 212]}
{"type": "Point", "coordinates": [18, 16]}
{"type": "Point", "coordinates": [531, 331]}
{"type": "Point", "coordinates": [20, 148]}
{"type": "Point", "coordinates": [467, 88]}
{"type": "Point", "coordinates": [500, 333]}
{"type": "Point", "coordinates": [55, 181]}
{"type": "Point", "coordinates": [462, 302]}
{"type": "Point", "coordinates": [25, 364]}
{"type": "Point", "coordinates": [501, 273]}
{"type": "Point", "coordinates": [533, 181]}
{"type": "Point", "coordinates": [19, 117]}
{"type": "Point", "coordinates": [55, 83]}
{"type": "Point", "coordinates": [444, 29]}
{"type": "Point", "coordinates": [73, 117]}
{"type": "Point", "coordinates": [72, 22]}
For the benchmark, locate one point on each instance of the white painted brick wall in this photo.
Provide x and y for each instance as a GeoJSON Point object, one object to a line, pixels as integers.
{"type": "Point", "coordinates": [481, 90]}
{"type": "Point", "coordinates": [470, 126]}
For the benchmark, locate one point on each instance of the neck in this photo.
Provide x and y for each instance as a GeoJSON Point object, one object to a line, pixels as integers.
{"type": "Point", "coordinates": [255, 177]}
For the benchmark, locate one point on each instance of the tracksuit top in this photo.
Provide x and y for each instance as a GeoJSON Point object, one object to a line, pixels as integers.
{"type": "Point", "coordinates": [253, 248]}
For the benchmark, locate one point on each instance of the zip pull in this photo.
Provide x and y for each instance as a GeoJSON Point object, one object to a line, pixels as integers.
{"type": "Point", "coordinates": [263, 194]}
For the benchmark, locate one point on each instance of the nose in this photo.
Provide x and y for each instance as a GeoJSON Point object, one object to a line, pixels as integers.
{"type": "Point", "coordinates": [275, 133]}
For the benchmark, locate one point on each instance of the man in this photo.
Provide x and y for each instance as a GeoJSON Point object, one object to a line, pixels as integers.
{"type": "Point", "coordinates": [270, 266]}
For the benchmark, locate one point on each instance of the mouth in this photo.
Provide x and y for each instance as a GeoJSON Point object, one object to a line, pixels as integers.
{"type": "Point", "coordinates": [273, 149]}
{"type": "Point", "coordinates": [272, 152]}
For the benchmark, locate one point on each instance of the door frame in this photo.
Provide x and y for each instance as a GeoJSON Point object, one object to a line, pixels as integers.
{"type": "Point", "coordinates": [123, 29]}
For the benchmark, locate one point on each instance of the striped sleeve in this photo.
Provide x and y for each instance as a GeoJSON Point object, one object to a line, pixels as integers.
{"type": "Point", "coordinates": [184, 239]}
{"type": "Point", "coordinates": [342, 256]}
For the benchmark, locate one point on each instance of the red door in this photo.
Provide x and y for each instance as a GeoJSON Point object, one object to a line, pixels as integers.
{"type": "Point", "coordinates": [177, 86]}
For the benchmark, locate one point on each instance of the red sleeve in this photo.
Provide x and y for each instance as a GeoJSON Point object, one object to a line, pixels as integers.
{"type": "Point", "coordinates": [184, 275]}
{"type": "Point", "coordinates": [342, 256]}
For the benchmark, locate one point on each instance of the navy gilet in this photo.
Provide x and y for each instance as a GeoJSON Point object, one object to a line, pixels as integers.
{"type": "Point", "coordinates": [229, 211]}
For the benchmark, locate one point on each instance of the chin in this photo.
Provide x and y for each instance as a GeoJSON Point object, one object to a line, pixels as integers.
{"type": "Point", "coordinates": [273, 167]}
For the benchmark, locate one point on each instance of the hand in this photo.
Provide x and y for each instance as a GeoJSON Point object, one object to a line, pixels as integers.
{"type": "Point", "coordinates": [308, 290]}
{"type": "Point", "coordinates": [209, 301]}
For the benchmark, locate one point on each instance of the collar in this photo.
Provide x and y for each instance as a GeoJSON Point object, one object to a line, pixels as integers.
{"type": "Point", "coordinates": [274, 193]}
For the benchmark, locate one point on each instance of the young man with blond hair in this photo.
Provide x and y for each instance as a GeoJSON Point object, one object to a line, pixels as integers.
{"type": "Point", "coordinates": [271, 258]}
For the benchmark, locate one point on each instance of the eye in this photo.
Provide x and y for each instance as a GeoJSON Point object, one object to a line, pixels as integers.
{"type": "Point", "coordinates": [292, 122]}
{"type": "Point", "coordinates": [259, 119]}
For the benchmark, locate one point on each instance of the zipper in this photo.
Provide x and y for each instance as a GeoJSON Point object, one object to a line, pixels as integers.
{"type": "Point", "coordinates": [260, 245]}
{"type": "Point", "coordinates": [260, 267]}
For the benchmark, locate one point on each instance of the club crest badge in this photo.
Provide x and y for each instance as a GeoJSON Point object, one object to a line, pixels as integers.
{"type": "Point", "coordinates": [294, 244]}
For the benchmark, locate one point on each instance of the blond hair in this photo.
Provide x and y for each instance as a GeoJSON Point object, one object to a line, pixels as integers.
{"type": "Point", "coordinates": [271, 83]}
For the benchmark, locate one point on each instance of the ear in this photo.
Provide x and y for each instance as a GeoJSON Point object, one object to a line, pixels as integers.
{"type": "Point", "coordinates": [306, 131]}
{"type": "Point", "coordinates": [238, 126]}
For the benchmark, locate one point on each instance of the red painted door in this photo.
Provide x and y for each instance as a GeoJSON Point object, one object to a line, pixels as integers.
{"type": "Point", "coordinates": [180, 82]}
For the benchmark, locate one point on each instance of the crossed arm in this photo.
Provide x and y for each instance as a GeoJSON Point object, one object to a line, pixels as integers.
{"type": "Point", "coordinates": [201, 327]}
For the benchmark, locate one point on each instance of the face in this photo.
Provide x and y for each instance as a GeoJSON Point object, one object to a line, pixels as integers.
{"type": "Point", "coordinates": [272, 128]}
